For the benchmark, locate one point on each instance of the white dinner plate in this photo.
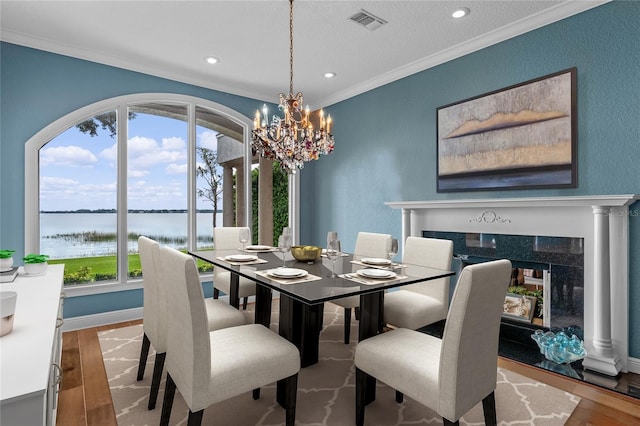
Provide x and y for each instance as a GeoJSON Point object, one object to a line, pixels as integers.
{"type": "Point", "coordinates": [288, 273]}
{"type": "Point", "coordinates": [376, 273]}
{"type": "Point", "coordinates": [241, 257]}
{"type": "Point", "coordinates": [257, 247]}
{"type": "Point", "coordinates": [375, 261]}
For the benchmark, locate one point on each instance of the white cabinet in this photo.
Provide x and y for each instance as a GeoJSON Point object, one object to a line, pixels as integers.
{"type": "Point", "coordinates": [30, 370]}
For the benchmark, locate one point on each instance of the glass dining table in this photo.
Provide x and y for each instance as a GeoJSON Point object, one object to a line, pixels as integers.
{"type": "Point", "coordinates": [304, 287]}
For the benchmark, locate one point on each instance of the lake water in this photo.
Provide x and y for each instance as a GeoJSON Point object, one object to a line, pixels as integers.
{"type": "Point", "coordinates": [60, 232]}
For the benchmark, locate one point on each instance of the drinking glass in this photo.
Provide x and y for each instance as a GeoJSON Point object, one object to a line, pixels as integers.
{"type": "Point", "coordinates": [284, 245]}
{"type": "Point", "coordinates": [331, 235]}
{"type": "Point", "coordinates": [244, 236]}
{"type": "Point", "coordinates": [392, 248]}
{"type": "Point", "coordinates": [333, 252]}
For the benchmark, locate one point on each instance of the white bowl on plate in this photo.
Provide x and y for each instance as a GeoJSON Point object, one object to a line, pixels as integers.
{"type": "Point", "coordinates": [241, 258]}
{"type": "Point", "coordinates": [376, 273]}
{"type": "Point", "coordinates": [287, 273]}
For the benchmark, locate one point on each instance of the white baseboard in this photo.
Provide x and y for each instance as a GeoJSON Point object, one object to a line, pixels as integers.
{"type": "Point", "coordinates": [633, 365]}
{"type": "Point", "coordinates": [96, 320]}
{"type": "Point", "coordinates": [113, 317]}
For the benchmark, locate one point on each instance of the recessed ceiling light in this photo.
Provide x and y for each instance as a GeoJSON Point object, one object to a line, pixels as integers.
{"type": "Point", "coordinates": [211, 60]}
{"type": "Point", "coordinates": [329, 74]}
{"type": "Point", "coordinates": [461, 12]}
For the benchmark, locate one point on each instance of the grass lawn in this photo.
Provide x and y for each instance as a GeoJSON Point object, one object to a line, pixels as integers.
{"type": "Point", "coordinates": [106, 266]}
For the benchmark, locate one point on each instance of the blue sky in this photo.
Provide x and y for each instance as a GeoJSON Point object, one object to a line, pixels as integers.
{"type": "Point", "coordinates": [78, 171]}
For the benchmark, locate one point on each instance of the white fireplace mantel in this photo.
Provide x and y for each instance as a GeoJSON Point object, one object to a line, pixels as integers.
{"type": "Point", "coordinates": [601, 220]}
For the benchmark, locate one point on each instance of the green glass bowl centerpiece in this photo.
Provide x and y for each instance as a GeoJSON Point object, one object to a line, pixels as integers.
{"type": "Point", "coordinates": [306, 253]}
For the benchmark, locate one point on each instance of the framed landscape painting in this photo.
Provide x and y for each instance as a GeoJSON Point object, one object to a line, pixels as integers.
{"type": "Point", "coordinates": [519, 137]}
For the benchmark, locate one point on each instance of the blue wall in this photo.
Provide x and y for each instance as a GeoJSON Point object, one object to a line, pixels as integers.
{"type": "Point", "coordinates": [39, 88]}
{"type": "Point", "coordinates": [385, 138]}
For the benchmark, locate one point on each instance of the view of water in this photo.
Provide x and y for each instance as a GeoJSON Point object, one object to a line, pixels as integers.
{"type": "Point", "coordinates": [60, 232]}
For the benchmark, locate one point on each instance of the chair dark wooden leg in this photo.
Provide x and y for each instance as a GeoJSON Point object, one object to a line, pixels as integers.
{"type": "Point", "coordinates": [256, 394]}
{"type": "Point", "coordinates": [144, 354]}
{"type": "Point", "coordinates": [399, 397]}
{"type": "Point", "coordinates": [357, 309]}
{"type": "Point", "coordinates": [216, 293]}
{"type": "Point", "coordinates": [361, 395]}
{"type": "Point", "coordinates": [158, 365]}
{"type": "Point", "coordinates": [489, 408]}
{"type": "Point", "coordinates": [291, 391]}
{"type": "Point", "coordinates": [447, 422]}
{"type": "Point", "coordinates": [195, 419]}
{"type": "Point", "coordinates": [347, 325]}
{"type": "Point", "coordinates": [244, 303]}
{"type": "Point", "coordinates": [167, 402]}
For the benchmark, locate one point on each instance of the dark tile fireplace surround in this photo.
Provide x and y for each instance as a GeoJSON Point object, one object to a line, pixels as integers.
{"type": "Point", "coordinates": [560, 260]}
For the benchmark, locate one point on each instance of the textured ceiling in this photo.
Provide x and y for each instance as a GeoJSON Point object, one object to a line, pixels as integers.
{"type": "Point", "coordinates": [170, 38]}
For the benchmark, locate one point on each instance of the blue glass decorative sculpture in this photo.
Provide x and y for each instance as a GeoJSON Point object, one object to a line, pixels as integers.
{"type": "Point", "coordinates": [559, 347]}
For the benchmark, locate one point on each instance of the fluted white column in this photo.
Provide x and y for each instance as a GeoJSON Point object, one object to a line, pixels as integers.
{"type": "Point", "coordinates": [600, 354]}
{"type": "Point", "coordinates": [406, 226]}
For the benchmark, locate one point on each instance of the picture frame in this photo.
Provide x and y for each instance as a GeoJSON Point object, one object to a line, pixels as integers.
{"type": "Point", "coordinates": [519, 307]}
{"type": "Point", "coordinates": [519, 137]}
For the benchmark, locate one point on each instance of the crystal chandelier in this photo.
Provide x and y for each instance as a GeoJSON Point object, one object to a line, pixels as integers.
{"type": "Point", "coordinates": [291, 140]}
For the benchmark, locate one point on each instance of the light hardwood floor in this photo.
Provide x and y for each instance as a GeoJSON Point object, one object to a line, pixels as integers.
{"type": "Point", "coordinates": [85, 399]}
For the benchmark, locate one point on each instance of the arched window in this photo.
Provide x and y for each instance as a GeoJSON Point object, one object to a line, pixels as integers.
{"type": "Point", "coordinates": [148, 164]}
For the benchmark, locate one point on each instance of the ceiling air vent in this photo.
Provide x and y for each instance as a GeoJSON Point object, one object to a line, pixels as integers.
{"type": "Point", "coordinates": [368, 20]}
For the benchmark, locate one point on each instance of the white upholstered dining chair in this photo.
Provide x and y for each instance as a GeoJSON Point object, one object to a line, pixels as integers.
{"type": "Point", "coordinates": [156, 314]}
{"type": "Point", "coordinates": [418, 305]}
{"type": "Point", "coordinates": [212, 366]}
{"type": "Point", "coordinates": [368, 244]}
{"type": "Point", "coordinates": [227, 238]}
{"type": "Point", "coordinates": [449, 375]}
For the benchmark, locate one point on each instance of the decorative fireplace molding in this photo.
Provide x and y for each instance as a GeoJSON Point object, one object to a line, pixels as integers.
{"type": "Point", "coordinates": [601, 220]}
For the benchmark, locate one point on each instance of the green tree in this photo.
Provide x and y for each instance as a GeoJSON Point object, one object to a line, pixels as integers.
{"type": "Point", "coordinates": [209, 172]}
{"type": "Point", "coordinates": [106, 121]}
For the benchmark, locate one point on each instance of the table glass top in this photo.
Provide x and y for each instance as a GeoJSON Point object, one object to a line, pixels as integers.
{"type": "Point", "coordinates": [320, 286]}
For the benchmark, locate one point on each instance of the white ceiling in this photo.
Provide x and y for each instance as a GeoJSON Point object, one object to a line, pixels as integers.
{"type": "Point", "coordinates": [251, 38]}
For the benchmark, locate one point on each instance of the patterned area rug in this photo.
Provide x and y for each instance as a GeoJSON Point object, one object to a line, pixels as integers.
{"type": "Point", "coordinates": [326, 391]}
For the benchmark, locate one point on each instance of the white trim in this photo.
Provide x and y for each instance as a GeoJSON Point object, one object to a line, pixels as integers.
{"type": "Point", "coordinates": [119, 104]}
{"type": "Point", "coordinates": [634, 365]}
{"type": "Point", "coordinates": [563, 10]}
{"type": "Point", "coordinates": [549, 16]}
{"type": "Point", "coordinates": [571, 201]}
{"type": "Point", "coordinates": [104, 318]}
{"type": "Point", "coordinates": [114, 317]}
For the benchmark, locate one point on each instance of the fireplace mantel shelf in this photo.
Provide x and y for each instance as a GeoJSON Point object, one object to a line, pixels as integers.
{"type": "Point", "coordinates": [572, 201]}
{"type": "Point", "coordinates": [602, 221]}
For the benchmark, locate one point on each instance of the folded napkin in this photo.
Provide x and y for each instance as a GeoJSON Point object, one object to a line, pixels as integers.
{"type": "Point", "coordinates": [306, 278]}
{"type": "Point", "coordinates": [369, 281]}
{"type": "Point", "coordinates": [252, 262]}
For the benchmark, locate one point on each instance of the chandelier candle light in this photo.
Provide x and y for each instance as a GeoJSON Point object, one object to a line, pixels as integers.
{"type": "Point", "coordinates": [291, 140]}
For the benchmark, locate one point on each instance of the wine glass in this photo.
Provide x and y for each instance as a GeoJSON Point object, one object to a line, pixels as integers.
{"type": "Point", "coordinates": [244, 236]}
{"type": "Point", "coordinates": [392, 248]}
{"type": "Point", "coordinates": [331, 235]}
{"type": "Point", "coordinates": [284, 245]}
{"type": "Point", "coordinates": [333, 252]}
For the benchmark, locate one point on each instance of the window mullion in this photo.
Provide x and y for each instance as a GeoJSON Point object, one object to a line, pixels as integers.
{"type": "Point", "coordinates": [122, 206]}
{"type": "Point", "coordinates": [192, 236]}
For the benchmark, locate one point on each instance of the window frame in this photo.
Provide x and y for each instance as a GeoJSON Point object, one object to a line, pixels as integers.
{"type": "Point", "coordinates": [121, 106]}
